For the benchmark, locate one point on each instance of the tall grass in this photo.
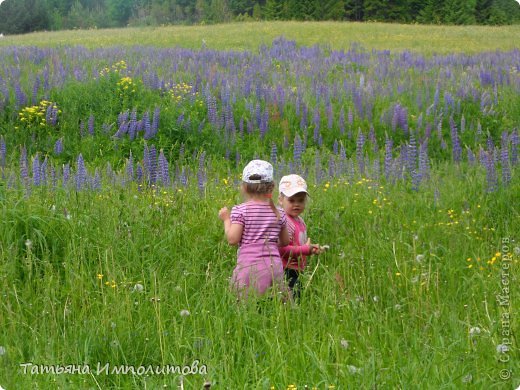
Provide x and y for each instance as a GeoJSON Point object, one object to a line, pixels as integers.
{"type": "Point", "coordinates": [395, 302]}
{"type": "Point", "coordinates": [425, 39]}
{"type": "Point", "coordinates": [111, 251]}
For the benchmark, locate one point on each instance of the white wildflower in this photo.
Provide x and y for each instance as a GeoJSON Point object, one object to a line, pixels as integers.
{"type": "Point", "coordinates": [184, 313]}
{"type": "Point", "coordinates": [502, 348]}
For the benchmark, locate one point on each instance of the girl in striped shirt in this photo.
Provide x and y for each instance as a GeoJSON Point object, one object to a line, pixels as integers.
{"type": "Point", "coordinates": [258, 228]}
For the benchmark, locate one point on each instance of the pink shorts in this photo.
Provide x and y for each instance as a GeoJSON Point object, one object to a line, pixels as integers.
{"type": "Point", "coordinates": [259, 267]}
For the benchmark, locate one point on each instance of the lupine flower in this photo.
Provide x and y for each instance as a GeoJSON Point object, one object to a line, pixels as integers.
{"type": "Point", "coordinates": [388, 157]}
{"type": "Point", "coordinates": [164, 172]}
{"type": "Point", "coordinates": [3, 152]}
{"type": "Point", "coordinates": [91, 124]}
{"type": "Point", "coordinates": [36, 170]}
{"type": "Point", "coordinates": [274, 154]}
{"type": "Point", "coordinates": [506, 169]}
{"type": "Point", "coordinates": [360, 155]}
{"type": "Point", "coordinates": [515, 142]}
{"type": "Point", "coordinates": [58, 147]}
{"type": "Point", "coordinates": [342, 121]}
{"type": "Point", "coordinates": [81, 173]}
{"type": "Point", "coordinates": [24, 165]}
{"type": "Point", "coordinates": [297, 150]}
{"type": "Point", "coordinates": [66, 174]}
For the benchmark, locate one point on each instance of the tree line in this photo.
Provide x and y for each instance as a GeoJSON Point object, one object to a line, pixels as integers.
{"type": "Point", "coordinates": [21, 16]}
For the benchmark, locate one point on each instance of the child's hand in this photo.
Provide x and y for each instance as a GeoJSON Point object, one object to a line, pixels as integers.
{"type": "Point", "coordinates": [224, 214]}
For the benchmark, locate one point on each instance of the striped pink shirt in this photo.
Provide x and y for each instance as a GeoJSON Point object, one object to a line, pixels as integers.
{"type": "Point", "coordinates": [259, 222]}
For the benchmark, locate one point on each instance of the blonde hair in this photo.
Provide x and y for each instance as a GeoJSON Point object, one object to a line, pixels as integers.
{"type": "Point", "coordinates": [262, 189]}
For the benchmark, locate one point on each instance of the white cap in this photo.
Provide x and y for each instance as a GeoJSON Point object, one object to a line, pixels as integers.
{"type": "Point", "coordinates": [260, 168]}
{"type": "Point", "coordinates": [292, 184]}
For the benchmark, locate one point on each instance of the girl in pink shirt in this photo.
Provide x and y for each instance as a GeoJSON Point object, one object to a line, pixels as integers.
{"type": "Point", "coordinates": [257, 227]}
{"type": "Point", "coordinates": [293, 198]}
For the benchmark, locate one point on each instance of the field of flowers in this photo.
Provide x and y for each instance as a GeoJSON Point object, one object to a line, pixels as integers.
{"type": "Point", "coordinates": [114, 162]}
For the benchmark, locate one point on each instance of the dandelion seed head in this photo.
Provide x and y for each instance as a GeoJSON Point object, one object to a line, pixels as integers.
{"type": "Point", "coordinates": [184, 313]}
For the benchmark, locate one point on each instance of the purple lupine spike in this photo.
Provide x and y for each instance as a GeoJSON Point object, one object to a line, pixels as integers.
{"type": "Point", "coordinates": [491, 175]}
{"type": "Point", "coordinates": [395, 118]}
{"type": "Point", "coordinates": [424, 164]}
{"type": "Point", "coordinates": [317, 168]}
{"type": "Point", "coordinates": [335, 147]}
{"type": "Point", "coordinates": [81, 173]}
{"type": "Point", "coordinates": [258, 114]}
{"type": "Point", "coordinates": [96, 181]}
{"type": "Point", "coordinates": [152, 160]}
{"type": "Point", "coordinates": [342, 159]}
{"type": "Point", "coordinates": [24, 165]}
{"type": "Point", "coordinates": [490, 144]}
{"type": "Point", "coordinates": [3, 152]}
{"type": "Point", "coordinates": [82, 129]}
{"type": "Point", "coordinates": [155, 121]}
{"type": "Point", "coordinates": [36, 170]}
{"type": "Point", "coordinates": [342, 121]}
{"type": "Point", "coordinates": [201, 175]}
{"type": "Point", "coordinates": [51, 114]}
{"type": "Point", "coordinates": [274, 154]}
{"type": "Point", "coordinates": [43, 172]}
{"type": "Point", "coordinates": [515, 142]}
{"type": "Point", "coordinates": [360, 154]}
{"type": "Point", "coordinates": [36, 88]}
{"type": "Point", "coordinates": [264, 123]}
{"type": "Point", "coordinates": [504, 154]}
{"type": "Point", "coordinates": [90, 125]}
{"type": "Point", "coordinates": [331, 167]}
{"type": "Point", "coordinates": [66, 174]}
{"type": "Point", "coordinates": [330, 116]}
{"type": "Point", "coordinates": [148, 133]}
{"type": "Point", "coordinates": [297, 150]}
{"type": "Point", "coordinates": [21, 98]}
{"type": "Point", "coordinates": [471, 157]}
{"type": "Point", "coordinates": [58, 147]}
{"type": "Point", "coordinates": [183, 177]}
{"type": "Point", "coordinates": [139, 175]}
{"type": "Point", "coordinates": [388, 158]}
{"type": "Point", "coordinates": [123, 129]}
{"type": "Point", "coordinates": [164, 170]}
{"type": "Point", "coordinates": [316, 119]}
{"type": "Point", "coordinates": [412, 154]}
{"type": "Point", "coordinates": [350, 116]}
{"type": "Point", "coordinates": [456, 146]}
{"type": "Point", "coordinates": [478, 135]}
{"type": "Point", "coordinates": [122, 118]}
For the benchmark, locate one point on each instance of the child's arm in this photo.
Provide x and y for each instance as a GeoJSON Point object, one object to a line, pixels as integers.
{"type": "Point", "coordinates": [297, 250]}
{"type": "Point", "coordinates": [233, 231]}
{"type": "Point", "coordinates": [284, 239]}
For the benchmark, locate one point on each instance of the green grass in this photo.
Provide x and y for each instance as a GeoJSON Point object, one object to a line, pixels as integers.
{"type": "Point", "coordinates": [249, 36]}
{"type": "Point", "coordinates": [391, 305]}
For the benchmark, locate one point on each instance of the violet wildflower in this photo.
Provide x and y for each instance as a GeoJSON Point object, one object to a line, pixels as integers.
{"type": "Point", "coordinates": [342, 121]}
{"type": "Point", "coordinates": [58, 147]}
{"type": "Point", "coordinates": [297, 150]}
{"type": "Point", "coordinates": [66, 174]}
{"type": "Point", "coordinates": [506, 169]}
{"type": "Point", "coordinates": [388, 157]}
{"type": "Point", "coordinates": [81, 173]}
{"type": "Point", "coordinates": [24, 165]}
{"type": "Point", "coordinates": [3, 152]}
{"type": "Point", "coordinates": [424, 168]}
{"type": "Point", "coordinates": [90, 124]}
{"type": "Point", "coordinates": [148, 134]}
{"type": "Point", "coordinates": [36, 170]}
{"type": "Point", "coordinates": [274, 154]}
{"type": "Point", "coordinates": [515, 142]}
{"type": "Point", "coordinates": [360, 155]}
{"type": "Point", "coordinates": [164, 172]}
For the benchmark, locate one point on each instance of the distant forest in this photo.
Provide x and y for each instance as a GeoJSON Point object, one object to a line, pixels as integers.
{"type": "Point", "coordinates": [22, 16]}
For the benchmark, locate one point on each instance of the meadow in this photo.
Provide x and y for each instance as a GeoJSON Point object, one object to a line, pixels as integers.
{"type": "Point", "coordinates": [115, 159]}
